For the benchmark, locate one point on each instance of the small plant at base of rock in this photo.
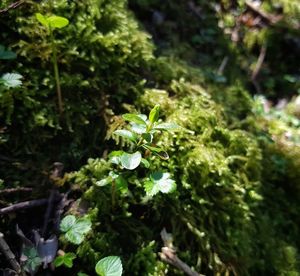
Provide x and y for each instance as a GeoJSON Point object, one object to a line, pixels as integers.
{"type": "Point", "coordinates": [141, 133]}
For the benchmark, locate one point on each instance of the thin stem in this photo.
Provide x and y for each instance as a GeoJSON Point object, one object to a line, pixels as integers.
{"type": "Point", "coordinates": [113, 195]}
{"type": "Point", "coordinates": [56, 73]}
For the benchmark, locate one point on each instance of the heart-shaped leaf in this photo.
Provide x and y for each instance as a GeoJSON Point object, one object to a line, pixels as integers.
{"type": "Point", "coordinates": [131, 161]}
{"type": "Point", "coordinates": [109, 266]}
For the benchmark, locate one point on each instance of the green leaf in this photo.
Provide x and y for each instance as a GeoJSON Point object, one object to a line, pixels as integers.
{"type": "Point", "coordinates": [42, 19]}
{"type": "Point", "coordinates": [115, 156]}
{"type": "Point", "coordinates": [104, 182]}
{"type": "Point", "coordinates": [126, 134]}
{"type": "Point", "coordinates": [145, 162]}
{"type": "Point", "coordinates": [158, 151]}
{"type": "Point", "coordinates": [6, 54]}
{"type": "Point", "coordinates": [67, 223]}
{"type": "Point", "coordinates": [151, 188]}
{"type": "Point", "coordinates": [121, 184]}
{"type": "Point", "coordinates": [134, 118]}
{"type": "Point", "coordinates": [137, 128]}
{"type": "Point", "coordinates": [75, 229]}
{"type": "Point", "coordinates": [131, 161]}
{"type": "Point", "coordinates": [66, 260]}
{"type": "Point", "coordinates": [167, 126]}
{"type": "Point", "coordinates": [109, 266]}
{"type": "Point", "coordinates": [154, 114]}
{"type": "Point", "coordinates": [11, 80]}
{"type": "Point", "coordinates": [159, 182]}
{"type": "Point", "coordinates": [148, 137]}
{"type": "Point", "coordinates": [57, 22]}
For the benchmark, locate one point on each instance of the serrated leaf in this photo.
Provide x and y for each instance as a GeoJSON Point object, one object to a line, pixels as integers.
{"type": "Point", "coordinates": [131, 161]}
{"type": "Point", "coordinates": [11, 80]}
{"type": "Point", "coordinates": [154, 114]}
{"type": "Point", "coordinates": [42, 19]}
{"type": "Point", "coordinates": [74, 237]}
{"type": "Point", "coordinates": [134, 118]}
{"type": "Point", "coordinates": [160, 182]}
{"type": "Point", "coordinates": [151, 188]}
{"type": "Point", "coordinates": [67, 223]}
{"type": "Point", "coordinates": [109, 266]}
{"type": "Point", "coordinates": [126, 134]}
{"type": "Point", "coordinates": [57, 22]}
{"type": "Point", "coordinates": [75, 229]}
{"type": "Point", "coordinates": [168, 126]}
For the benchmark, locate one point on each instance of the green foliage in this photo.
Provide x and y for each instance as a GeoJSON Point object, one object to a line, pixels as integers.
{"type": "Point", "coordinates": [66, 260]}
{"type": "Point", "coordinates": [11, 80]}
{"type": "Point", "coordinates": [52, 22]}
{"type": "Point", "coordinates": [33, 261]}
{"type": "Point", "coordinates": [109, 266]}
{"type": "Point", "coordinates": [75, 229]}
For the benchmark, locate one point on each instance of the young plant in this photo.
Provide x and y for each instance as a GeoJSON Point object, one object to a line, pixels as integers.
{"type": "Point", "coordinates": [66, 259]}
{"type": "Point", "coordinates": [109, 266]}
{"type": "Point", "coordinates": [51, 23]}
{"type": "Point", "coordinates": [141, 132]}
{"type": "Point", "coordinates": [75, 229]}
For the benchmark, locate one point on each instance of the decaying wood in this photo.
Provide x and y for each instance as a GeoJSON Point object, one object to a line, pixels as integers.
{"type": "Point", "coordinates": [15, 190]}
{"type": "Point", "coordinates": [13, 6]}
{"type": "Point", "coordinates": [168, 255]}
{"type": "Point", "coordinates": [25, 205]}
{"type": "Point", "coordinates": [9, 254]}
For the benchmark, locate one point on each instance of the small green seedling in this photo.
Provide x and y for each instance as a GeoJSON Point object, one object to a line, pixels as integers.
{"type": "Point", "coordinates": [75, 229]}
{"type": "Point", "coordinates": [141, 132]}
{"type": "Point", "coordinates": [109, 266]}
{"type": "Point", "coordinates": [51, 23]}
{"type": "Point", "coordinates": [66, 260]}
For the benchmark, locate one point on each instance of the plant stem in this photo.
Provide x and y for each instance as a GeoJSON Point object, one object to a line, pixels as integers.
{"type": "Point", "coordinates": [56, 73]}
{"type": "Point", "coordinates": [113, 195]}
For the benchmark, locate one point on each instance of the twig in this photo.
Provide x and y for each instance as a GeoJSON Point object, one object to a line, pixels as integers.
{"type": "Point", "coordinates": [9, 255]}
{"type": "Point", "coordinates": [51, 200]}
{"type": "Point", "coordinates": [223, 65]}
{"type": "Point", "coordinates": [168, 255]}
{"type": "Point", "coordinates": [24, 205]}
{"type": "Point", "coordinates": [259, 62]}
{"type": "Point", "coordinates": [13, 6]}
{"type": "Point", "coordinates": [59, 210]}
{"type": "Point", "coordinates": [15, 190]}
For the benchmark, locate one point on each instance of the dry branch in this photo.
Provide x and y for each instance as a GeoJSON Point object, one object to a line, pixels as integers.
{"type": "Point", "coordinates": [25, 205]}
{"type": "Point", "coordinates": [9, 255]}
